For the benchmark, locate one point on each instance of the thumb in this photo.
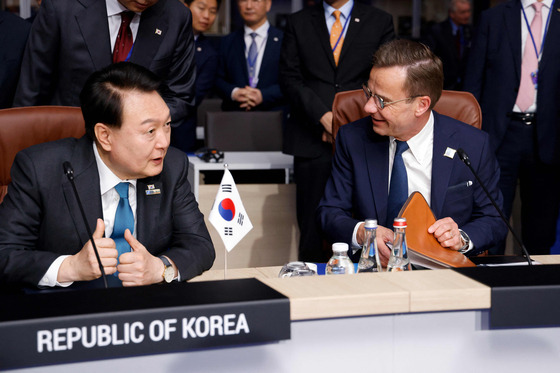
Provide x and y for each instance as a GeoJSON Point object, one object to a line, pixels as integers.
{"type": "Point", "coordinates": [132, 241]}
{"type": "Point", "coordinates": [99, 229]}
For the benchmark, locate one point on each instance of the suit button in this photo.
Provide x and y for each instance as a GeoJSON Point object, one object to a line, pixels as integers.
{"type": "Point", "coordinates": [337, 86]}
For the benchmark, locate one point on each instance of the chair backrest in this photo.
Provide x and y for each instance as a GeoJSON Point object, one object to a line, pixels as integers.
{"type": "Point", "coordinates": [244, 131]}
{"type": "Point", "coordinates": [22, 127]}
{"type": "Point", "coordinates": [349, 106]}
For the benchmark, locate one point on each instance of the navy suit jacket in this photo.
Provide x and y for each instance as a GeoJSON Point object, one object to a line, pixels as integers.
{"type": "Point", "coordinates": [232, 70]}
{"type": "Point", "coordinates": [184, 136]}
{"type": "Point", "coordinates": [13, 36]}
{"type": "Point", "coordinates": [206, 58]}
{"type": "Point", "coordinates": [494, 71]}
{"type": "Point", "coordinates": [70, 39]}
{"type": "Point", "coordinates": [40, 219]}
{"type": "Point", "coordinates": [358, 187]}
{"type": "Point", "coordinates": [309, 76]}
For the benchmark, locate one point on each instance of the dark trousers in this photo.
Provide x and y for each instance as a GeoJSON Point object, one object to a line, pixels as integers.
{"type": "Point", "coordinates": [311, 175]}
{"type": "Point", "coordinates": [539, 186]}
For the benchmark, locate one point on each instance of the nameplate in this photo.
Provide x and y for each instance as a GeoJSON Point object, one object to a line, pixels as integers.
{"type": "Point", "coordinates": [123, 322]}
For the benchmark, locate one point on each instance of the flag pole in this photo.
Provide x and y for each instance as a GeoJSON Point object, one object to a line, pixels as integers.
{"type": "Point", "coordinates": [225, 249]}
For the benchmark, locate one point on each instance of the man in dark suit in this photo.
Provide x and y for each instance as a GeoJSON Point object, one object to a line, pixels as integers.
{"type": "Point", "coordinates": [71, 39]}
{"type": "Point", "coordinates": [134, 188]}
{"type": "Point", "coordinates": [13, 36]}
{"type": "Point", "coordinates": [450, 40]}
{"type": "Point", "coordinates": [404, 85]}
{"type": "Point", "coordinates": [204, 14]}
{"type": "Point", "coordinates": [520, 109]}
{"type": "Point", "coordinates": [310, 78]}
{"type": "Point", "coordinates": [247, 76]}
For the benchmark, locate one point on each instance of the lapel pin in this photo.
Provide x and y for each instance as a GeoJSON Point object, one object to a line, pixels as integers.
{"type": "Point", "coordinates": [450, 153]}
{"type": "Point", "coordinates": [151, 186]}
{"type": "Point", "coordinates": [356, 20]}
{"type": "Point", "coordinates": [198, 49]}
{"type": "Point", "coordinates": [275, 38]}
{"type": "Point", "coordinates": [158, 31]}
{"type": "Point", "coordinates": [151, 192]}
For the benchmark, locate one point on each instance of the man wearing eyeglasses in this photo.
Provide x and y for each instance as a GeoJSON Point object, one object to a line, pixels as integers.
{"type": "Point", "coordinates": [405, 146]}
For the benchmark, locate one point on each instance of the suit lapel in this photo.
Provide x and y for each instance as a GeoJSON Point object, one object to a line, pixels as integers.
{"type": "Point", "coordinates": [355, 24]}
{"type": "Point", "coordinates": [239, 49]}
{"type": "Point", "coordinates": [151, 33]}
{"type": "Point", "coordinates": [376, 149]}
{"type": "Point", "coordinates": [320, 28]}
{"type": "Point", "coordinates": [513, 26]}
{"type": "Point", "coordinates": [441, 165]}
{"type": "Point", "coordinates": [94, 26]}
{"type": "Point", "coordinates": [551, 38]}
{"type": "Point", "coordinates": [147, 209]}
{"type": "Point", "coordinates": [86, 179]}
{"type": "Point", "coordinates": [270, 51]}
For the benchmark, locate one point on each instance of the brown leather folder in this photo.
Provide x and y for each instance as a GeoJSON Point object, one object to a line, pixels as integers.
{"type": "Point", "coordinates": [423, 248]}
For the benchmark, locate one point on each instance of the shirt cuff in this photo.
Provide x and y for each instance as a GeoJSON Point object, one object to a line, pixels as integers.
{"type": "Point", "coordinates": [49, 279]}
{"type": "Point", "coordinates": [355, 245]}
{"type": "Point", "coordinates": [232, 92]}
{"type": "Point", "coordinates": [470, 246]}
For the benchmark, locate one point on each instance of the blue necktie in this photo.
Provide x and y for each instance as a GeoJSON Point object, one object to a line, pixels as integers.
{"type": "Point", "coordinates": [398, 190]}
{"type": "Point", "coordinates": [124, 219]}
{"type": "Point", "coordinates": [252, 60]}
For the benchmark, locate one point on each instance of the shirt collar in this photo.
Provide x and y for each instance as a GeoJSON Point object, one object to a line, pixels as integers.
{"type": "Point", "coordinates": [422, 142]}
{"type": "Point", "coordinates": [528, 3]}
{"type": "Point", "coordinates": [114, 8]}
{"type": "Point", "coordinates": [262, 31]}
{"type": "Point", "coordinates": [107, 179]}
{"type": "Point", "coordinates": [344, 10]}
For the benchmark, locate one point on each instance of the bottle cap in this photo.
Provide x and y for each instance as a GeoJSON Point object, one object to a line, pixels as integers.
{"type": "Point", "coordinates": [399, 223]}
{"type": "Point", "coordinates": [339, 247]}
{"type": "Point", "coordinates": [370, 223]}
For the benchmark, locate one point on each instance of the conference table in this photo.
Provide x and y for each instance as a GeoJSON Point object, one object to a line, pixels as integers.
{"type": "Point", "coordinates": [448, 320]}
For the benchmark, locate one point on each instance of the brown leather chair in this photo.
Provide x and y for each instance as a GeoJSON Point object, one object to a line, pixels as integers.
{"type": "Point", "coordinates": [26, 126]}
{"type": "Point", "coordinates": [244, 131]}
{"type": "Point", "coordinates": [349, 106]}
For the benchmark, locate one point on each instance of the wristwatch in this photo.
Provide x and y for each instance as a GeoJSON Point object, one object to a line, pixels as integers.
{"type": "Point", "coordinates": [466, 240]}
{"type": "Point", "coordinates": [168, 272]}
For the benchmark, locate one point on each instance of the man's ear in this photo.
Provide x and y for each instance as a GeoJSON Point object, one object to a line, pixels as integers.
{"type": "Point", "coordinates": [103, 134]}
{"type": "Point", "coordinates": [423, 105]}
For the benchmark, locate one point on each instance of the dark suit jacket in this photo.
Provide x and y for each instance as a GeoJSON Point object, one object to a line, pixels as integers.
{"type": "Point", "coordinates": [358, 187]}
{"type": "Point", "coordinates": [70, 40]}
{"type": "Point", "coordinates": [442, 42]}
{"type": "Point", "coordinates": [309, 77]}
{"type": "Point", "coordinates": [184, 136]}
{"type": "Point", "coordinates": [13, 36]}
{"type": "Point", "coordinates": [206, 58]}
{"type": "Point", "coordinates": [493, 76]}
{"type": "Point", "coordinates": [40, 219]}
{"type": "Point", "coordinates": [232, 70]}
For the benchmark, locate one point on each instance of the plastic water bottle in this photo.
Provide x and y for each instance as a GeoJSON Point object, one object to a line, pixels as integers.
{"type": "Point", "coordinates": [340, 263]}
{"type": "Point", "coordinates": [399, 253]}
{"type": "Point", "coordinates": [369, 261]}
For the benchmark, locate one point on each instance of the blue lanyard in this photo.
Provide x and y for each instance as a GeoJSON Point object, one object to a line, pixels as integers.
{"type": "Point", "coordinates": [129, 53]}
{"type": "Point", "coordinates": [538, 53]}
{"type": "Point", "coordinates": [344, 28]}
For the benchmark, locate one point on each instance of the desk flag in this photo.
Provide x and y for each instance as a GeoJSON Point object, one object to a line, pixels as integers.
{"type": "Point", "coordinates": [228, 215]}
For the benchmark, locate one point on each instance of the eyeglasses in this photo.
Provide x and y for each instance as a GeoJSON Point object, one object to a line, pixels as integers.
{"type": "Point", "coordinates": [379, 101]}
